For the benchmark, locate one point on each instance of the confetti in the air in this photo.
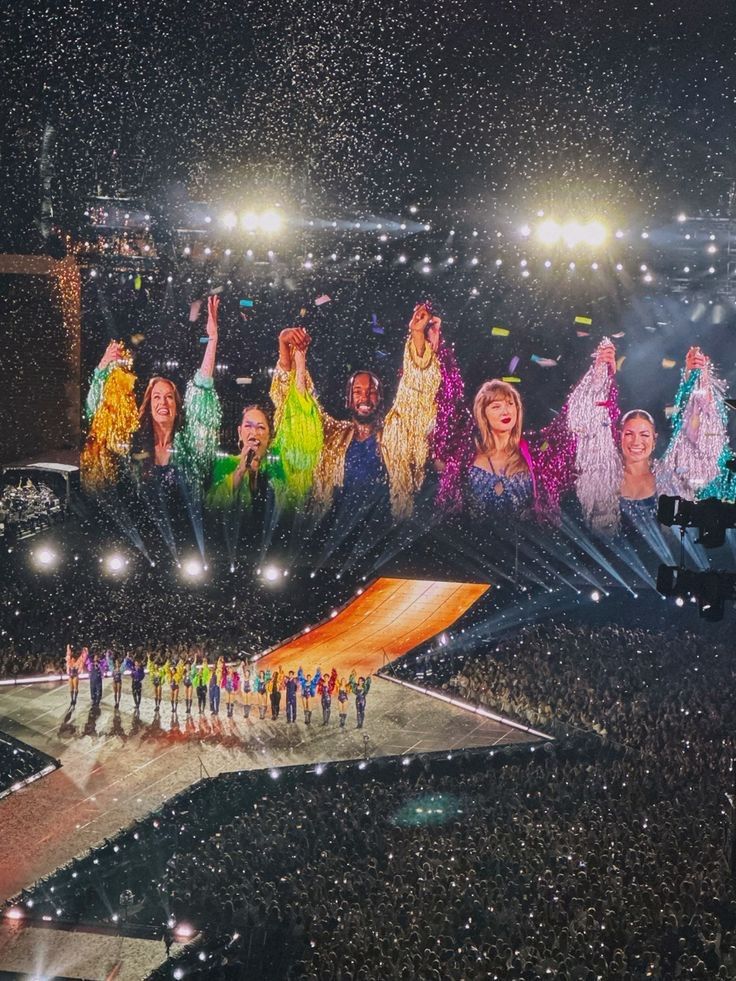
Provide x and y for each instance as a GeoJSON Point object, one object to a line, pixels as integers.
{"type": "Point", "coordinates": [500, 331]}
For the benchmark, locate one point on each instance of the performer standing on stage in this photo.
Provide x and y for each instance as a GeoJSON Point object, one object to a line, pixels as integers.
{"type": "Point", "coordinates": [325, 689]}
{"type": "Point", "coordinates": [188, 680]}
{"type": "Point", "coordinates": [156, 673]}
{"type": "Point", "coordinates": [173, 675]}
{"type": "Point", "coordinates": [274, 687]}
{"type": "Point", "coordinates": [344, 688]}
{"type": "Point", "coordinates": [245, 688]}
{"type": "Point", "coordinates": [361, 689]}
{"type": "Point", "coordinates": [232, 687]}
{"type": "Point", "coordinates": [117, 669]}
{"type": "Point", "coordinates": [74, 667]}
{"type": "Point", "coordinates": [308, 686]}
{"type": "Point", "coordinates": [137, 674]}
{"type": "Point", "coordinates": [291, 685]}
{"type": "Point", "coordinates": [261, 686]}
{"type": "Point", "coordinates": [201, 680]}
{"type": "Point", "coordinates": [214, 687]}
{"type": "Point", "coordinates": [96, 668]}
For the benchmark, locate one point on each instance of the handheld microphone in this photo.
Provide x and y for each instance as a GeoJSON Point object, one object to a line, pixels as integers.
{"type": "Point", "coordinates": [249, 457]}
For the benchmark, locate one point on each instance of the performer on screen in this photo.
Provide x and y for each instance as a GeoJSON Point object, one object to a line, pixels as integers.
{"type": "Point", "coordinates": [246, 688]}
{"type": "Point", "coordinates": [164, 438]}
{"type": "Point", "coordinates": [628, 478]}
{"type": "Point", "coordinates": [291, 686]}
{"type": "Point", "coordinates": [261, 688]}
{"type": "Point", "coordinates": [325, 688]}
{"type": "Point", "coordinates": [367, 460]}
{"type": "Point", "coordinates": [509, 473]}
{"type": "Point", "coordinates": [308, 686]}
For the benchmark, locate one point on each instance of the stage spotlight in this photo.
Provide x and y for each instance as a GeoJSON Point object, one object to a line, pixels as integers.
{"type": "Point", "coordinates": [45, 557]}
{"type": "Point", "coordinates": [193, 568]}
{"type": "Point", "coordinates": [271, 573]}
{"type": "Point", "coordinates": [115, 563]}
{"type": "Point", "coordinates": [679, 601]}
{"type": "Point", "coordinates": [249, 221]}
{"type": "Point", "coordinates": [572, 233]}
{"type": "Point", "coordinates": [549, 232]}
{"type": "Point", "coordinates": [229, 220]}
{"type": "Point", "coordinates": [595, 233]}
{"type": "Point", "coordinates": [595, 596]}
{"type": "Point", "coordinates": [270, 221]}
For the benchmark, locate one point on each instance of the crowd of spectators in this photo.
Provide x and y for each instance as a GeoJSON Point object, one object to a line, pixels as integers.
{"type": "Point", "coordinates": [147, 614]}
{"type": "Point", "coordinates": [26, 508]}
{"type": "Point", "coordinates": [595, 857]}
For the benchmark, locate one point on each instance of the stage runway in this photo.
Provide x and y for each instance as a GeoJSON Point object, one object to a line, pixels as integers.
{"type": "Point", "coordinates": [388, 619]}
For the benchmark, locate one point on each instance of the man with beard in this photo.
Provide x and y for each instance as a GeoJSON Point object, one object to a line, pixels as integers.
{"type": "Point", "coordinates": [368, 461]}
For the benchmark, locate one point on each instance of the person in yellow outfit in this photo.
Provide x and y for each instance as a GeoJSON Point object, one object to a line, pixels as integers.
{"type": "Point", "coordinates": [370, 459]}
{"type": "Point", "coordinates": [174, 673]}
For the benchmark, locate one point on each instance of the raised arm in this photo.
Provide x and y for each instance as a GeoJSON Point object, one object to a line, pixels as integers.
{"type": "Point", "coordinates": [698, 448]}
{"type": "Point", "coordinates": [592, 412]}
{"type": "Point", "coordinates": [207, 368]}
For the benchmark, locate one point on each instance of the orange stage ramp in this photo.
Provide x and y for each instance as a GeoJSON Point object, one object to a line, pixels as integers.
{"type": "Point", "coordinates": [390, 618]}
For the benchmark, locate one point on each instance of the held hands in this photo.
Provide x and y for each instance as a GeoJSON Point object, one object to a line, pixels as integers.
{"type": "Point", "coordinates": [115, 351]}
{"type": "Point", "coordinates": [695, 359]}
{"type": "Point", "coordinates": [296, 338]}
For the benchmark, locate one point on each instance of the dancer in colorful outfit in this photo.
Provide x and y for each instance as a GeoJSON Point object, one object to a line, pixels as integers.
{"type": "Point", "coordinates": [361, 688]}
{"type": "Point", "coordinates": [188, 681]}
{"type": "Point", "coordinates": [325, 688]}
{"type": "Point", "coordinates": [246, 688]}
{"type": "Point", "coordinates": [367, 461]}
{"type": "Point", "coordinates": [200, 680]}
{"type": "Point", "coordinates": [232, 688]}
{"type": "Point", "coordinates": [97, 667]}
{"type": "Point", "coordinates": [344, 690]}
{"type": "Point", "coordinates": [173, 674]}
{"type": "Point", "coordinates": [274, 689]}
{"type": "Point", "coordinates": [261, 687]}
{"type": "Point", "coordinates": [216, 683]}
{"type": "Point", "coordinates": [171, 440]}
{"type": "Point", "coordinates": [116, 670]}
{"type": "Point", "coordinates": [156, 673]}
{"type": "Point", "coordinates": [137, 674]}
{"type": "Point", "coordinates": [291, 686]}
{"type": "Point", "coordinates": [308, 686]}
{"type": "Point", "coordinates": [74, 667]}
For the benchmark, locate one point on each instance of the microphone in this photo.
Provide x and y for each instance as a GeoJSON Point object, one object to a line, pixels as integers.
{"type": "Point", "coordinates": [249, 456]}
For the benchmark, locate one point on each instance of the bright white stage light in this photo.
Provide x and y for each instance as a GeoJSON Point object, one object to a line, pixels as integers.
{"type": "Point", "coordinates": [249, 221]}
{"type": "Point", "coordinates": [679, 601]}
{"type": "Point", "coordinates": [549, 232]}
{"type": "Point", "coordinates": [682, 217]}
{"type": "Point", "coordinates": [270, 221]}
{"type": "Point", "coordinates": [572, 233]}
{"type": "Point", "coordinates": [595, 233]}
{"type": "Point", "coordinates": [525, 231]}
{"type": "Point", "coordinates": [115, 562]}
{"type": "Point", "coordinates": [595, 596]}
{"type": "Point", "coordinates": [193, 568]}
{"type": "Point", "coordinates": [229, 220]}
{"type": "Point", "coordinates": [271, 573]}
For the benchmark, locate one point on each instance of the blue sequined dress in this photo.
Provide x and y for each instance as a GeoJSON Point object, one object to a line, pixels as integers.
{"type": "Point", "coordinates": [493, 495]}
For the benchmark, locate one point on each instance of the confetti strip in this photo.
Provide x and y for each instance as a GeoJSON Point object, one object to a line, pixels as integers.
{"type": "Point", "coordinates": [137, 339]}
{"type": "Point", "coordinates": [137, 282]}
{"type": "Point", "coordinates": [621, 333]}
{"type": "Point", "coordinates": [668, 363]}
{"type": "Point", "coordinates": [669, 411]}
{"type": "Point", "coordinates": [584, 320]}
{"type": "Point", "coordinates": [513, 364]}
{"type": "Point", "coordinates": [322, 299]}
{"type": "Point", "coordinates": [203, 339]}
{"type": "Point", "coordinates": [375, 327]}
{"type": "Point", "coordinates": [246, 303]}
{"type": "Point", "coordinates": [544, 362]}
{"type": "Point", "coordinates": [500, 332]}
{"type": "Point", "coordinates": [620, 361]}
{"type": "Point", "coordinates": [243, 381]}
{"type": "Point", "coordinates": [511, 379]}
{"type": "Point", "coordinates": [194, 311]}
{"type": "Point", "coordinates": [582, 333]}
